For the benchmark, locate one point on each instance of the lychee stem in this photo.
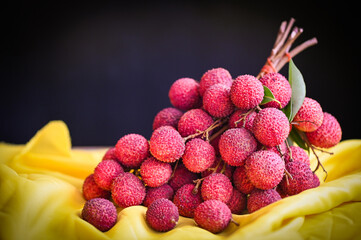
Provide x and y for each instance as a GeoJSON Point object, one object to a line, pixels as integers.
{"type": "Point", "coordinates": [205, 133]}
{"type": "Point", "coordinates": [233, 221]}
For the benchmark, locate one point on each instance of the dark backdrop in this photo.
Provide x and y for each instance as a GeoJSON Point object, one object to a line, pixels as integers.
{"type": "Point", "coordinates": [105, 68]}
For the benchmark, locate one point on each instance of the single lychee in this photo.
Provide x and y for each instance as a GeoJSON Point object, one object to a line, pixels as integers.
{"type": "Point", "coordinates": [193, 121]}
{"type": "Point", "coordinates": [271, 127]}
{"type": "Point", "coordinates": [162, 215]}
{"type": "Point", "coordinates": [92, 190]}
{"type": "Point", "coordinates": [296, 153]}
{"type": "Point", "coordinates": [105, 172]}
{"type": "Point", "coordinates": [110, 154]}
{"type": "Point", "coordinates": [167, 117]}
{"type": "Point", "coordinates": [166, 144]}
{"type": "Point", "coordinates": [198, 155]}
{"type": "Point", "coordinates": [186, 200]}
{"type": "Point", "coordinates": [237, 203]}
{"type": "Point", "coordinates": [261, 198]}
{"type": "Point", "coordinates": [241, 180]}
{"type": "Point", "coordinates": [217, 101]}
{"type": "Point", "coordinates": [184, 94]}
{"type": "Point", "coordinates": [242, 118]}
{"type": "Point", "coordinates": [163, 191]}
{"type": "Point", "coordinates": [219, 166]}
{"type": "Point", "coordinates": [132, 149]}
{"type": "Point", "coordinates": [280, 88]}
{"type": "Point", "coordinates": [128, 190]}
{"type": "Point", "coordinates": [155, 173]}
{"type": "Point", "coordinates": [246, 92]}
{"type": "Point", "coordinates": [316, 181]}
{"type": "Point", "coordinates": [214, 76]}
{"type": "Point", "coordinates": [309, 117]}
{"type": "Point", "coordinates": [217, 186]}
{"type": "Point", "coordinates": [181, 177]}
{"type": "Point", "coordinates": [101, 213]}
{"type": "Point", "coordinates": [329, 134]}
{"type": "Point", "coordinates": [235, 145]}
{"type": "Point", "coordinates": [213, 215]}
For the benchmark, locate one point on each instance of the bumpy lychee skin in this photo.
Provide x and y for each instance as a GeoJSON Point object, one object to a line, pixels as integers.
{"type": "Point", "coordinates": [186, 200]}
{"type": "Point", "coordinates": [128, 190]}
{"type": "Point", "coordinates": [101, 213]}
{"type": "Point", "coordinates": [309, 117]}
{"type": "Point", "coordinates": [213, 215]}
{"type": "Point", "coordinates": [237, 203]}
{"type": "Point", "coordinates": [92, 190]}
{"type": "Point", "coordinates": [280, 87]}
{"type": "Point", "coordinates": [105, 172]}
{"type": "Point", "coordinates": [193, 121]}
{"type": "Point", "coordinates": [246, 92]}
{"type": "Point", "coordinates": [217, 100]}
{"type": "Point", "coordinates": [217, 186]}
{"type": "Point", "coordinates": [241, 180]}
{"type": "Point", "coordinates": [110, 154]}
{"type": "Point", "coordinates": [154, 172]}
{"type": "Point", "coordinates": [235, 145]}
{"type": "Point", "coordinates": [265, 169]}
{"type": "Point", "coordinates": [329, 134]}
{"type": "Point", "coordinates": [167, 117]}
{"type": "Point", "coordinates": [184, 94]}
{"type": "Point", "coordinates": [297, 154]}
{"type": "Point", "coordinates": [198, 155]}
{"type": "Point", "coordinates": [214, 76]}
{"type": "Point", "coordinates": [132, 149]}
{"type": "Point", "coordinates": [181, 177]}
{"type": "Point", "coordinates": [271, 127]}
{"type": "Point", "coordinates": [162, 215]}
{"type": "Point", "coordinates": [261, 198]}
{"type": "Point", "coordinates": [219, 166]}
{"type": "Point", "coordinates": [242, 118]}
{"type": "Point", "coordinates": [164, 191]}
{"type": "Point", "coordinates": [166, 144]}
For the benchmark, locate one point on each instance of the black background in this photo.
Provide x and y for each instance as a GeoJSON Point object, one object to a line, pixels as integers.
{"type": "Point", "coordinates": [105, 67]}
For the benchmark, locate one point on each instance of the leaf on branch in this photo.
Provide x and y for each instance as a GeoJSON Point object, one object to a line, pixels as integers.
{"type": "Point", "coordinates": [268, 96]}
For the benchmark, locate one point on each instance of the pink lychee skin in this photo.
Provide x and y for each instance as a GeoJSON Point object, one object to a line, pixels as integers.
{"type": "Point", "coordinates": [261, 198]}
{"type": "Point", "coordinates": [184, 94]}
{"type": "Point", "coordinates": [110, 154]}
{"type": "Point", "coordinates": [193, 121]}
{"type": "Point", "coordinates": [280, 149]}
{"type": "Point", "coordinates": [265, 169]}
{"type": "Point", "coordinates": [221, 167]}
{"type": "Point", "coordinates": [92, 190]}
{"type": "Point", "coordinates": [131, 150]}
{"type": "Point", "coordinates": [101, 213]}
{"type": "Point", "coordinates": [167, 117]}
{"type": "Point", "coordinates": [309, 117]}
{"type": "Point", "coordinates": [163, 191]}
{"type": "Point", "coordinates": [271, 127]}
{"type": "Point", "coordinates": [280, 88]}
{"type": "Point", "coordinates": [162, 215]}
{"type": "Point", "coordinates": [237, 203]}
{"type": "Point", "coordinates": [186, 200]}
{"type": "Point", "coordinates": [213, 215]}
{"type": "Point", "coordinates": [105, 172]}
{"type": "Point", "coordinates": [166, 144]}
{"type": "Point", "coordinates": [128, 190]}
{"type": "Point", "coordinates": [329, 134]}
{"type": "Point", "coordinates": [246, 92]}
{"type": "Point", "coordinates": [181, 177]}
{"type": "Point", "coordinates": [240, 118]}
{"type": "Point", "coordinates": [199, 155]}
{"type": "Point", "coordinates": [298, 154]}
{"type": "Point", "coordinates": [214, 76]}
{"type": "Point", "coordinates": [241, 180]}
{"type": "Point", "coordinates": [155, 173]}
{"type": "Point", "coordinates": [217, 101]}
{"type": "Point", "coordinates": [218, 187]}
{"type": "Point", "coordinates": [235, 145]}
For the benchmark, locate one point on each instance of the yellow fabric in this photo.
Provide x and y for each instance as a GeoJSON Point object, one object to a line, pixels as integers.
{"type": "Point", "coordinates": [41, 198]}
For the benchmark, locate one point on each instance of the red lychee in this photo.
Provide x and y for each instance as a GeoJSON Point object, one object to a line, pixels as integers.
{"type": "Point", "coordinates": [217, 101]}
{"type": "Point", "coordinates": [193, 121]}
{"type": "Point", "coordinates": [167, 117]}
{"type": "Point", "coordinates": [131, 150]}
{"type": "Point", "coordinates": [92, 190]}
{"type": "Point", "coordinates": [297, 154]}
{"type": "Point", "coordinates": [162, 215]}
{"type": "Point", "coordinates": [309, 117]}
{"type": "Point", "coordinates": [261, 198]}
{"type": "Point", "coordinates": [164, 191]}
{"type": "Point", "coordinates": [242, 118]}
{"type": "Point", "coordinates": [214, 76]}
{"type": "Point", "coordinates": [110, 154]}
{"type": "Point", "coordinates": [217, 186]}
{"type": "Point", "coordinates": [184, 94]}
{"type": "Point", "coordinates": [181, 177]}
{"type": "Point", "coordinates": [154, 172]}
{"type": "Point", "coordinates": [241, 180]}
{"type": "Point", "coordinates": [198, 155]}
{"type": "Point", "coordinates": [237, 203]}
{"type": "Point", "coordinates": [105, 172]}
{"type": "Point", "coordinates": [186, 200]}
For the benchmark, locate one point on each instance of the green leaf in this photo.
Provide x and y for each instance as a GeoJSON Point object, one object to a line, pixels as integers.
{"type": "Point", "coordinates": [295, 137]}
{"type": "Point", "coordinates": [268, 96]}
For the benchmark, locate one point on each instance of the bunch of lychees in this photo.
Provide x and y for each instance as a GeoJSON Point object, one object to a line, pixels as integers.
{"type": "Point", "coordinates": [226, 146]}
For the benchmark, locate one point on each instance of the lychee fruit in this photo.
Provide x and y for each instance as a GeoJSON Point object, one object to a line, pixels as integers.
{"type": "Point", "coordinates": [194, 121]}
{"type": "Point", "coordinates": [155, 173]}
{"type": "Point", "coordinates": [131, 150]}
{"type": "Point", "coordinates": [163, 191]}
{"type": "Point", "coordinates": [214, 76]}
{"type": "Point", "coordinates": [110, 154]}
{"type": "Point", "coordinates": [181, 176]}
{"type": "Point", "coordinates": [162, 215]}
{"type": "Point", "coordinates": [92, 190]}
{"type": "Point", "coordinates": [296, 153]}
{"type": "Point", "coordinates": [105, 172]}
{"type": "Point", "coordinates": [271, 127]}
{"type": "Point", "coordinates": [186, 200]}
{"type": "Point", "coordinates": [128, 190]}
{"type": "Point", "coordinates": [235, 145]}
{"type": "Point", "coordinates": [265, 169]}
{"type": "Point", "coordinates": [198, 155]}
{"type": "Point", "coordinates": [166, 144]}
{"type": "Point", "coordinates": [242, 118]}
{"type": "Point", "coordinates": [309, 117]}
{"type": "Point", "coordinates": [329, 134]}
{"type": "Point", "coordinates": [219, 166]}
{"type": "Point", "coordinates": [261, 198]}
{"type": "Point", "coordinates": [167, 117]}
{"type": "Point", "coordinates": [184, 94]}
{"type": "Point", "coordinates": [217, 101]}
{"type": "Point", "coordinates": [217, 186]}
{"type": "Point", "coordinates": [246, 92]}
{"type": "Point", "coordinates": [237, 203]}
{"type": "Point", "coordinates": [241, 180]}
{"type": "Point", "coordinates": [101, 213]}
{"type": "Point", "coordinates": [280, 88]}
{"type": "Point", "coordinates": [213, 215]}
